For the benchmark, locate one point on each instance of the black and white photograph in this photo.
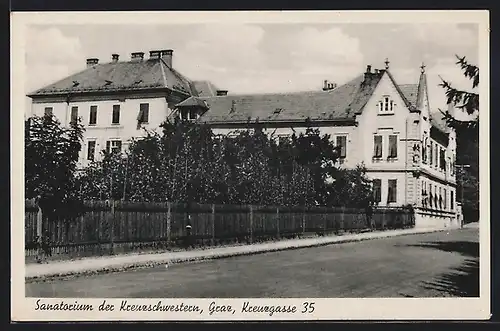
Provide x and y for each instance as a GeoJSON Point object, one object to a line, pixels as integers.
{"type": "Point", "coordinates": [239, 166]}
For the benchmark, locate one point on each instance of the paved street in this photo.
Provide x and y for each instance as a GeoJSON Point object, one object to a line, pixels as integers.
{"type": "Point", "coordinates": [425, 265]}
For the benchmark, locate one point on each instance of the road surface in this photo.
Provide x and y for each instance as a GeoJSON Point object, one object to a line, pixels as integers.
{"type": "Point", "coordinates": [426, 265]}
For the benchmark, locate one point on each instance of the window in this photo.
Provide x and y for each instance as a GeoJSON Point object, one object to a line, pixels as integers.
{"type": "Point", "coordinates": [93, 115]}
{"type": "Point", "coordinates": [193, 114]}
{"type": "Point", "coordinates": [452, 200]}
{"type": "Point", "coordinates": [431, 196]}
{"type": "Point", "coordinates": [386, 106]}
{"type": "Point", "coordinates": [377, 190]}
{"type": "Point", "coordinates": [143, 117]}
{"type": "Point", "coordinates": [442, 160]}
{"type": "Point", "coordinates": [445, 197]}
{"type": "Point", "coordinates": [74, 114]}
{"type": "Point", "coordinates": [48, 111]}
{"type": "Point", "coordinates": [424, 193]}
{"type": "Point", "coordinates": [436, 155]}
{"type": "Point", "coordinates": [91, 150]}
{"type": "Point", "coordinates": [393, 146]}
{"type": "Point", "coordinates": [116, 115]}
{"type": "Point", "coordinates": [424, 150]}
{"type": "Point", "coordinates": [391, 193]}
{"type": "Point", "coordinates": [440, 199]}
{"type": "Point", "coordinates": [377, 146]}
{"type": "Point", "coordinates": [342, 144]}
{"type": "Point", "coordinates": [113, 146]}
{"type": "Point", "coordinates": [431, 155]}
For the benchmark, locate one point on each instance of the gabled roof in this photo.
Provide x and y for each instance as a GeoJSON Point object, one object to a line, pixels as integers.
{"type": "Point", "coordinates": [341, 103]}
{"type": "Point", "coordinates": [410, 91]}
{"type": "Point", "coordinates": [205, 88]}
{"type": "Point", "coordinates": [121, 76]}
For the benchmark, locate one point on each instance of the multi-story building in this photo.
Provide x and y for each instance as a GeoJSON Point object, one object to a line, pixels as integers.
{"type": "Point", "coordinates": [116, 100]}
{"type": "Point", "coordinates": [409, 153]}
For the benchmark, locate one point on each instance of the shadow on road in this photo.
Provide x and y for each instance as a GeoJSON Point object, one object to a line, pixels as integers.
{"type": "Point", "coordinates": [462, 281]}
{"type": "Point", "coordinates": [466, 248]}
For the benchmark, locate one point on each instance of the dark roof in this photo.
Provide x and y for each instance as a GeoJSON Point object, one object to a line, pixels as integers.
{"type": "Point", "coordinates": [192, 102]}
{"type": "Point", "coordinates": [341, 103]}
{"type": "Point", "coordinates": [410, 91]}
{"type": "Point", "coordinates": [205, 88]}
{"type": "Point", "coordinates": [133, 75]}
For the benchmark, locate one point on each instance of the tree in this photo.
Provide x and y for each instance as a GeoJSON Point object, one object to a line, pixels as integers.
{"type": "Point", "coordinates": [51, 156]}
{"type": "Point", "coordinates": [467, 132]}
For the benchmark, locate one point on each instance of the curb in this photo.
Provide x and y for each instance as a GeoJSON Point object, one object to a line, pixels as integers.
{"type": "Point", "coordinates": [168, 260]}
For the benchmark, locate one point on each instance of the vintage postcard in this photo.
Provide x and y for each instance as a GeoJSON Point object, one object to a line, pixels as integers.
{"type": "Point", "coordinates": [222, 166]}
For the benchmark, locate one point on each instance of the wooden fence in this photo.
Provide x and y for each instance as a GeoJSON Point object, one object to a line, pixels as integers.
{"type": "Point", "coordinates": [107, 228]}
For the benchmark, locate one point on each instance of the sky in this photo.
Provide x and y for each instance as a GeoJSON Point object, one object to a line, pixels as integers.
{"type": "Point", "coordinates": [260, 58]}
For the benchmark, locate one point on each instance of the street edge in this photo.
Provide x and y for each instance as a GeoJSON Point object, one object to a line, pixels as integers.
{"type": "Point", "coordinates": [150, 264]}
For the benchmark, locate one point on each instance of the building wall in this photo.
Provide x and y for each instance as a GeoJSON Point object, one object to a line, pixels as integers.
{"type": "Point", "coordinates": [104, 130]}
{"type": "Point", "coordinates": [384, 177]}
{"type": "Point", "coordinates": [372, 122]}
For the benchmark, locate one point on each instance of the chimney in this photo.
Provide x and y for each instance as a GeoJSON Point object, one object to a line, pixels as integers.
{"type": "Point", "coordinates": [327, 86]}
{"type": "Point", "coordinates": [92, 62]}
{"type": "Point", "coordinates": [221, 93]}
{"type": "Point", "coordinates": [166, 55]}
{"type": "Point", "coordinates": [137, 56]}
{"type": "Point", "coordinates": [115, 57]}
{"type": "Point", "coordinates": [368, 73]}
{"type": "Point", "coordinates": [154, 54]}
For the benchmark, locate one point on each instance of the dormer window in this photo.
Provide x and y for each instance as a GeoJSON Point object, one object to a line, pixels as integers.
{"type": "Point", "coordinates": [386, 105]}
{"type": "Point", "coordinates": [188, 114]}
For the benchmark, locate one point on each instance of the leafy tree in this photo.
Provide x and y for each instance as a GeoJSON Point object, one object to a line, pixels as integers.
{"type": "Point", "coordinates": [467, 138]}
{"type": "Point", "coordinates": [51, 156]}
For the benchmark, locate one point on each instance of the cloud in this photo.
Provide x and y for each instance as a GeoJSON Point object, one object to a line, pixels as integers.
{"type": "Point", "coordinates": [449, 35]}
{"type": "Point", "coordinates": [257, 59]}
{"type": "Point", "coordinates": [215, 49]}
{"type": "Point", "coordinates": [50, 56]}
{"type": "Point", "coordinates": [313, 47]}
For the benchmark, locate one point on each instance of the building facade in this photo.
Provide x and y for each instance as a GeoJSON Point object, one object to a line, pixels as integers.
{"type": "Point", "coordinates": [409, 153]}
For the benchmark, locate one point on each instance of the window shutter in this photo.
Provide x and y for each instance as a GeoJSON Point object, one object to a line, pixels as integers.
{"type": "Point", "coordinates": [108, 146]}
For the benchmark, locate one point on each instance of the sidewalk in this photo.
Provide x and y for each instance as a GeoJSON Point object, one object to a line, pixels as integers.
{"type": "Point", "coordinates": [88, 266]}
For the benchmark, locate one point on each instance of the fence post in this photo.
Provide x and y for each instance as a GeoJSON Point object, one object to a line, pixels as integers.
{"type": "Point", "coordinates": [278, 221]}
{"type": "Point", "coordinates": [304, 221]}
{"type": "Point", "coordinates": [39, 230]}
{"type": "Point", "coordinates": [212, 217]}
{"type": "Point", "coordinates": [251, 223]}
{"type": "Point", "coordinates": [169, 223]}
{"type": "Point", "coordinates": [342, 218]}
{"type": "Point", "coordinates": [112, 230]}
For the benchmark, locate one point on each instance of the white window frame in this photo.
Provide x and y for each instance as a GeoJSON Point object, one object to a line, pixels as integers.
{"type": "Point", "coordinates": [386, 106]}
